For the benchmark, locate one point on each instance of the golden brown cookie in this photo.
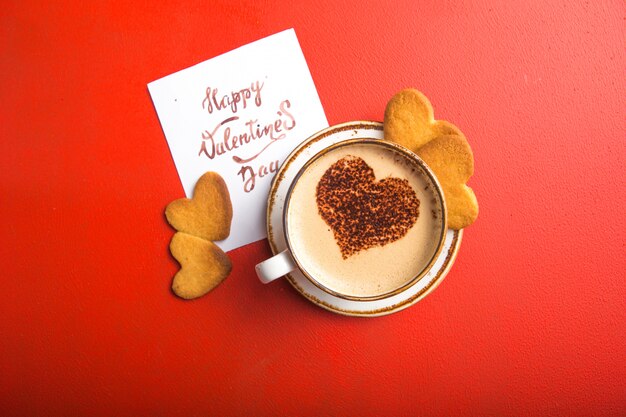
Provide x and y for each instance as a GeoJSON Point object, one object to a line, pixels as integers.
{"type": "Point", "coordinates": [203, 265]}
{"type": "Point", "coordinates": [208, 214]}
{"type": "Point", "coordinates": [410, 120]}
{"type": "Point", "coordinates": [450, 158]}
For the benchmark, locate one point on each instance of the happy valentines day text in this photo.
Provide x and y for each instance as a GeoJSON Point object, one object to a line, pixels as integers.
{"type": "Point", "coordinates": [222, 139]}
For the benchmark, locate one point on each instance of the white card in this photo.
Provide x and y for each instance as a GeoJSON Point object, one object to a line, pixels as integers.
{"type": "Point", "coordinates": [240, 114]}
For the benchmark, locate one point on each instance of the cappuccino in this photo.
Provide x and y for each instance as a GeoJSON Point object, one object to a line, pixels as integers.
{"type": "Point", "coordinates": [364, 219]}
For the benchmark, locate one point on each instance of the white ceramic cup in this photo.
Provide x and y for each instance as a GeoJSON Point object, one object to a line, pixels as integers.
{"type": "Point", "coordinates": [285, 262]}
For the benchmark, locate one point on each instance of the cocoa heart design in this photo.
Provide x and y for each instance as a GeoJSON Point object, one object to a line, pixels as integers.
{"type": "Point", "coordinates": [362, 212]}
{"type": "Point", "coordinates": [208, 214]}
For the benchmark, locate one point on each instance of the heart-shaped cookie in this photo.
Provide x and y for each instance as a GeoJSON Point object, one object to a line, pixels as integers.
{"type": "Point", "coordinates": [362, 212]}
{"type": "Point", "coordinates": [203, 265]}
{"type": "Point", "coordinates": [450, 158]}
{"type": "Point", "coordinates": [208, 214]}
{"type": "Point", "coordinates": [410, 120]}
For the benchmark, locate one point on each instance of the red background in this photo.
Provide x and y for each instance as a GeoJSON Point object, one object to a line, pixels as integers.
{"type": "Point", "coordinates": [530, 321]}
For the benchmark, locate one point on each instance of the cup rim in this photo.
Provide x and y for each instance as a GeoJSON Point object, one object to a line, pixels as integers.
{"type": "Point", "coordinates": [414, 158]}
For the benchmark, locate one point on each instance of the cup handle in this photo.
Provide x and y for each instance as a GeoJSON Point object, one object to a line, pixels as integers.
{"type": "Point", "coordinates": [275, 267]}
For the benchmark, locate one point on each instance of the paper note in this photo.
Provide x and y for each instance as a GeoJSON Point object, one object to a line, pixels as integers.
{"type": "Point", "coordinates": [240, 114]}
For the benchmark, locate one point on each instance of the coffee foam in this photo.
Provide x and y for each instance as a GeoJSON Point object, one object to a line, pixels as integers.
{"type": "Point", "coordinates": [377, 270]}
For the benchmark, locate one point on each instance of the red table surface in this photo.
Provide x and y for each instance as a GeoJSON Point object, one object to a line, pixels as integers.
{"type": "Point", "coordinates": [530, 321]}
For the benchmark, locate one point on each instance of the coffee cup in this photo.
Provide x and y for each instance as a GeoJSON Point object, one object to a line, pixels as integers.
{"type": "Point", "coordinates": [364, 219]}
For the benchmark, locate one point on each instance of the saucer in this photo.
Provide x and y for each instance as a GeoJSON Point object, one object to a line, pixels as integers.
{"type": "Point", "coordinates": [275, 233]}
